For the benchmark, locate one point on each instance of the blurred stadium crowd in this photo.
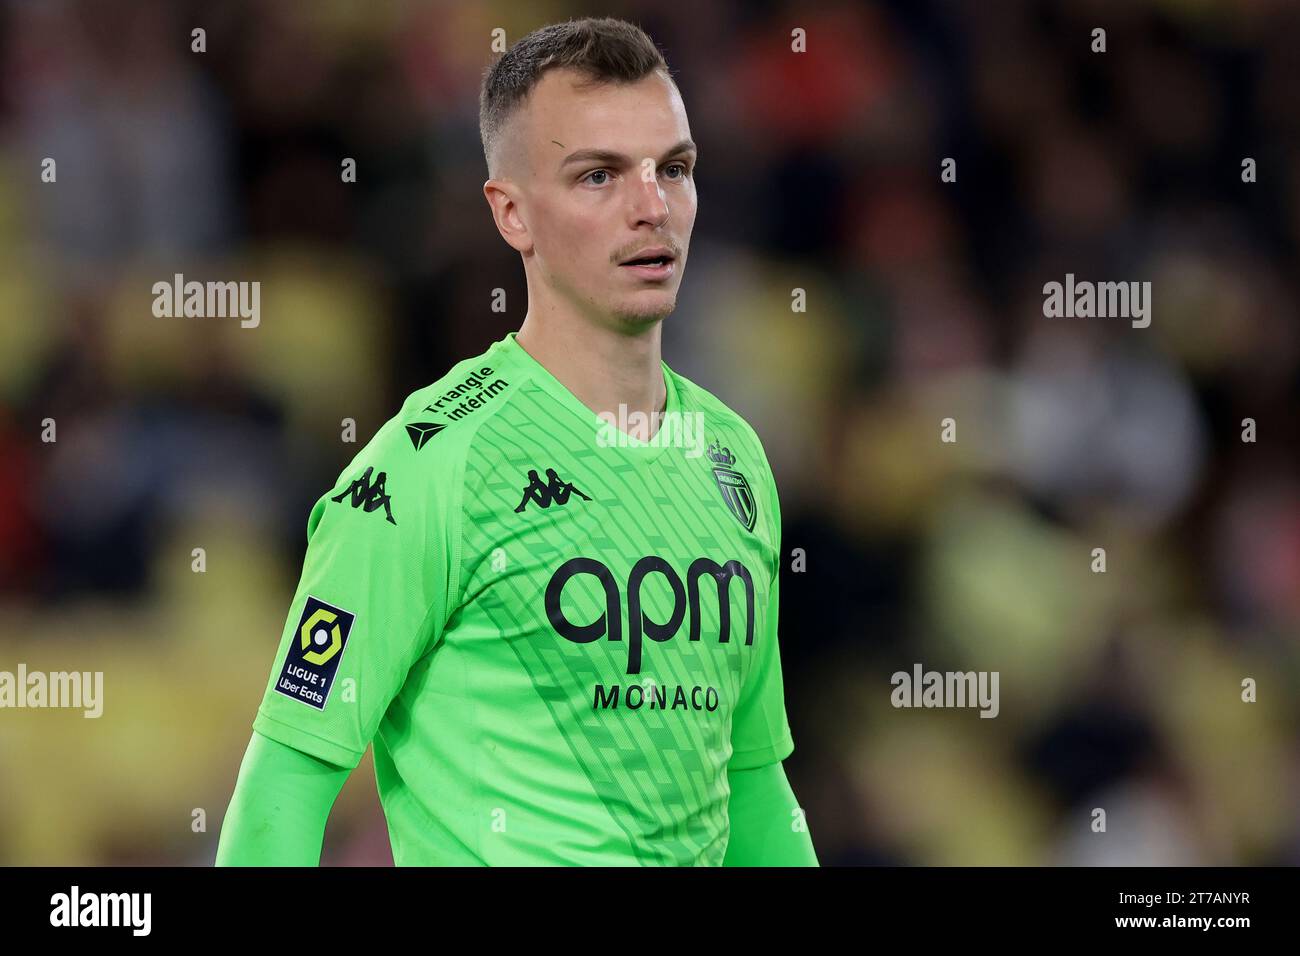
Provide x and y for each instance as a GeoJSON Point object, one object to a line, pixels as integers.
{"type": "Point", "coordinates": [819, 171]}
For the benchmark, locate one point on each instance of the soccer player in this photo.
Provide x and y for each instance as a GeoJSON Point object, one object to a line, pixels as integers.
{"type": "Point", "coordinates": [547, 589]}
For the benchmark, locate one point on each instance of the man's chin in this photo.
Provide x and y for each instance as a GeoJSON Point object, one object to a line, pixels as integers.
{"type": "Point", "coordinates": [653, 308]}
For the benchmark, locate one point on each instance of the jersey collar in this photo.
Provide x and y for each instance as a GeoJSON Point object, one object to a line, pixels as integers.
{"type": "Point", "coordinates": [606, 434]}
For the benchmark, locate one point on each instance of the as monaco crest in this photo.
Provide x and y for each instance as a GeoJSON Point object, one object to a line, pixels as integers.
{"type": "Point", "coordinates": [734, 487]}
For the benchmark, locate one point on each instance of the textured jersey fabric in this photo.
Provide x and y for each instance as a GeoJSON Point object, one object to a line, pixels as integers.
{"type": "Point", "coordinates": [558, 638]}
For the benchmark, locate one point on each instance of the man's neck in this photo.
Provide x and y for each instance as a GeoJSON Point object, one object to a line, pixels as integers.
{"type": "Point", "coordinates": [603, 368]}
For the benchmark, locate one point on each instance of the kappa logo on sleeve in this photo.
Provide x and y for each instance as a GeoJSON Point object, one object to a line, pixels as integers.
{"type": "Point", "coordinates": [367, 496]}
{"type": "Point", "coordinates": [314, 653]}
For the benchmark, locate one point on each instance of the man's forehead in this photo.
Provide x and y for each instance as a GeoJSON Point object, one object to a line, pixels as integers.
{"type": "Point", "coordinates": [647, 113]}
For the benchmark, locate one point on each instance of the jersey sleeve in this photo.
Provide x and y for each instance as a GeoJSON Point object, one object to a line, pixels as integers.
{"type": "Point", "coordinates": [372, 598]}
{"type": "Point", "coordinates": [760, 732]}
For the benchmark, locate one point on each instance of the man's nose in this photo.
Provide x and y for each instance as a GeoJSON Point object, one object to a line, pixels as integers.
{"type": "Point", "coordinates": [649, 204]}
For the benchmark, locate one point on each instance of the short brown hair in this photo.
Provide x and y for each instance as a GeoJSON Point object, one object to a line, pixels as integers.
{"type": "Point", "coordinates": [606, 49]}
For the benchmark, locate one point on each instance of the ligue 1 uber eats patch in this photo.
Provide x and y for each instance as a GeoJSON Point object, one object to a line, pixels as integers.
{"type": "Point", "coordinates": [314, 653]}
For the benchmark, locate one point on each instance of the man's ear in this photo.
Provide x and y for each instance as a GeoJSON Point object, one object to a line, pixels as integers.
{"type": "Point", "coordinates": [502, 198]}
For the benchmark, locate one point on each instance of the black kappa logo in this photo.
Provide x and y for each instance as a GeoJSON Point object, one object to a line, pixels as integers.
{"type": "Point", "coordinates": [421, 432]}
{"type": "Point", "coordinates": [315, 652]}
{"type": "Point", "coordinates": [546, 492]}
{"type": "Point", "coordinates": [735, 489]}
{"type": "Point", "coordinates": [367, 496]}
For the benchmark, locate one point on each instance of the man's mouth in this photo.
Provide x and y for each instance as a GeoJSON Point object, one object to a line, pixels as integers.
{"type": "Point", "coordinates": [652, 264]}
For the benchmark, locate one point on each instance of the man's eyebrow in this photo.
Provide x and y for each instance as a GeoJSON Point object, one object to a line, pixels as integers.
{"type": "Point", "coordinates": [617, 159]}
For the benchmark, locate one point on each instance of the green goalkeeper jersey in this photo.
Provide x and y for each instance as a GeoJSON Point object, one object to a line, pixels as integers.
{"type": "Point", "coordinates": [558, 638]}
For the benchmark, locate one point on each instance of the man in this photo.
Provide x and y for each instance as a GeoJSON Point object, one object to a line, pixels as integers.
{"type": "Point", "coordinates": [581, 669]}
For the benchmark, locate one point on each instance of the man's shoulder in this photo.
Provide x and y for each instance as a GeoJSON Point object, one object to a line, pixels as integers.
{"type": "Point", "coordinates": [721, 423]}
{"type": "Point", "coordinates": [733, 445]}
{"type": "Point", "coordinates": [428, 436]}
{"type": "Point", "coordinates": [451, 408]}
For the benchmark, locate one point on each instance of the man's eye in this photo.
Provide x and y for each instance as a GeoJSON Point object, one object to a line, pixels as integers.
{"type": "Point", "coordinates": [595, 172]}
{"type": "Point", "coordinates": [681, 166]}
